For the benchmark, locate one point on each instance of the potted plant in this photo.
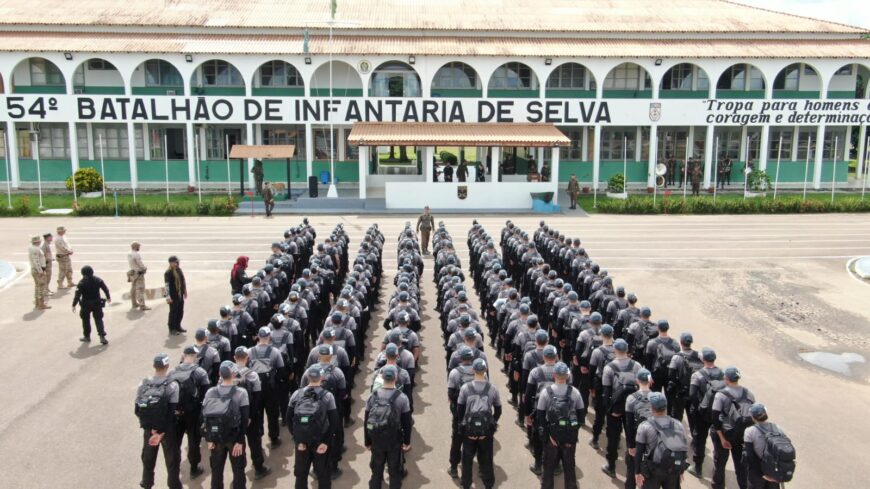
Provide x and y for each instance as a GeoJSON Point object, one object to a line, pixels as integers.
{"type": "Point", "coordinates": [616, 187]}
{"type": "Point", "coordinates": [88, 183]}
{"type": "Point", "coordinates": [757, 183]}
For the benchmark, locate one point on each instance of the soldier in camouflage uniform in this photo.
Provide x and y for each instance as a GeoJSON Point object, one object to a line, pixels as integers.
{"type": "Point", "coordinates": [47, 238]}
{"type": "Point", "coordinates": [425, 223]}
{"type": "Point", "coordinates": [37, 271]}
{"type": "Point", "coordinates": [63, 251]}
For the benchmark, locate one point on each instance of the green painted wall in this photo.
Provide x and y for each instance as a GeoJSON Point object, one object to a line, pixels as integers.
{"type": "Point", "coordinates": [179, 90]}
{"type": "Point", "coordinates": [583, 170]}
{"type": "Point", "coordinates": [279, 91]}
{"type": "Point", "coordinates": [512, 93]}
{"type": "Point", "coordinates": [558, 93]}
{"type": "Point", "coordinates": [637, 170]}
{"type": "Point", "coordinates": [457, 92]}
{"type": "Point", "coordinates": [102, 90]}
{"type": "Point", "coordinates": [116, 170]}
{"type": "Point", "coordinates": [828, 169]}
{"type": "Point", "coordinates": [155, 171]}
{"type": "Point", "coordinates": [346, 171]}
{"type": "Point", "coordinates": [841, 94]}
{"type": "Point", "coordinates": [627, 93]}
{"type": "Point", "coordinates": [216, 170]}
{"type": "Point", "coordinates": [814, 94]}
{"type": "Point", "coordinates": [751, 94]}
{"type": "Point", "coordinates": [337, 92]}
{"type": "Point", "coordinates": [684, 94]}
{"type": "Point", "coordinates": [3, 164]}
{"type": "Point", "coordinates": [39, 89]}
{"type": "Point", "coordinates": [52, 170]}
{"type": "Point", "coordinates": [218, 91]}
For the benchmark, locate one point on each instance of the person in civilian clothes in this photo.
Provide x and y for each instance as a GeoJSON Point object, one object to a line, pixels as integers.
{"type": "Point", "coordinates": [176, 293]}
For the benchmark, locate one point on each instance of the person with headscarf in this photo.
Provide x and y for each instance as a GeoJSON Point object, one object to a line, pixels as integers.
{"type": "Point", "coordinates": [88, 296]}
{"type": "Point", "coordinates": [238, 277]}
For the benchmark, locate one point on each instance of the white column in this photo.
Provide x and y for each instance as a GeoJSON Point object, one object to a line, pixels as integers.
{"type": "Point", "coordinates": [428, 153]}
{"type": "Point", "coordinates": [862, 140]}
{"type": "Point", "coordinates": [90, 128]}
{"type": "Point", "coordinates": [191, 161]}
{"type": "Point", "coordinates": [820, 146]}
{"type": "Point", "coordinates": [309, 150]}
{"type": "Point", "coordinates": [584, 151]}
{"type": "Point", "coordinates": [762, 150]}
{"type": "Point", "coordinates": [744, 147]}
{"type": "Point", "coordinates": [74, 147]}
{"type": "Point", "coordinates": [12, 153]}
{"type": "Point", "coordinates": [251, 135]}
{"type": "Point", "coordinates": [795, 140]}
{"type": "Point", "coordinates": [708, 156]}
{"type": "Point", "coordinates": [638, 138]}
{"type": "Point", "coordinates": [146, 142]}
{"type": "Point", "coordinates": [131, 145]}
{"type": "Point", "coordinates": [596, 157]}
{"type": "Point", "coordinates": [554, 171]}
{"type": "Point", "coordinates": [494, 159]}
{"type": "Point", "coordinates": [363, 170]}
{"type": "Point", "coordinates": [653, 153]}
{"type": "Point", "coordinates": [540, 158]}
{"type": "Point", "coordinates": [203, 152]}
{"type": "Point", "coordinates": [341, 144]}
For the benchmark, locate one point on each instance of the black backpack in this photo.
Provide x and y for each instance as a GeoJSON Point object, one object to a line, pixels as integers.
{"type": "Point", "coordinates": [691, 364]}
{"type": "Point", "coordinates": [221, 417]}
{"type": "Point", "coordinates": [562, 422]}
{"type": "Point", "coordinates": [152, 405]}
{"type": "Point", "coordinates": [715, 384]}
{"type": "Point", "coordinates": [262, 364]}
{"type": "Point", "coordinates": [778, 453]}
{"type": "Point", "coordinates": [644, 333]}
{"type": "Point", "coordinates": [188, 391]}
{"type": "Point", "coordinates": [738, 416]}
{"type": "Point", "coordinates": [642, 407]}
{"type": "Point", "coordinates": [478, 420]}
{"type": "Point", "coordinates": [665, 351]}
{"type": "Point", "coordinates": [624, 385]}
{"type": "Point", "coordinates": [383, 424]}
{"type": "Point", "coordinates": [310, 422]}
{"type": "Point", "coordinates": [669, 455]}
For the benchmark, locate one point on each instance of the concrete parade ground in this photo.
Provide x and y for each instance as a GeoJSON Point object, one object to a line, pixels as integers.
{"type": "Point", "coordinates": [759, 289]}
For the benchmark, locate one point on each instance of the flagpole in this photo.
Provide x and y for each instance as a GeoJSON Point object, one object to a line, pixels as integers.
{"type": "Point", "coordinates": [8, 171]}
{"type": "Point", "coordinates": [198, 158]}
{"type": "Point", "coordinates": [229, 179]}
{"type": "Point", "coordinates": [746, 168]}
{"type": "Point", "coordinates": [778, 158]}
{"type": "Point", "coordinates": [686, 171]}
{"type": "Point", "coordinates": [864, 166]}
{"type": "Point", "coordinates": [716, 168]}
{"type": "Point", "coordinates": [39, 172]}
{"type": "Point", "coordinates": [625, 164]}
{"type": "Point", "coordinates": [102, 168]}
{"type": "Point", "coordinates": [166, 164]}
{"type": "Point", "coordinates": [834, 170]}
{"type": "Point", "coordinates": [807, 164]}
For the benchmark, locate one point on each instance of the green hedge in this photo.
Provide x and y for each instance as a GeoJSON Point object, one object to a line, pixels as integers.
{"type": "Point", "coordinates": [785, 205]}
{"type": "Point", "coordinates": [20, 208]}
{"type": "Point", "coordinates": [217, 206]}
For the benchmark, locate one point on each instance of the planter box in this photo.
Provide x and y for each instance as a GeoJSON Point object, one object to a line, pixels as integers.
{"type": "Point", "coordinates": [751, 195]}
{"type": "Point", "coordinates": [91, 195]}
{"type": "Point", "coordinates": [621, 195]}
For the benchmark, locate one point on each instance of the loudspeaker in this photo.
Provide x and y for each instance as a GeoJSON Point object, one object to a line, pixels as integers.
{"type": "Point", "coordinates": [312, 187]}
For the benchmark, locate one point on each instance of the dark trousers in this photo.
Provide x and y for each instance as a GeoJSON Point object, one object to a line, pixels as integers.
{"type": "Point", "coordinates": [455, 446]}
{"type": "Point", "coordinates": [170, 456]}
{"type": "Point", "coordinates": [176, 313]}
{"type": "Point", "coordinates": [600, 415]}
{"type": "Point", "coordinates": [676, 407]}
{"type": "Point", "coordinates": [188, 425]}
{"type": "Point", "coordinates": [304, 460]}
{"type": "Point", "coordinates": [269, 411]}
{"type": "Point", "coordinates": [720, 460]}
{"type": "Point", "coordinates": [218, 459]}
{"type": "Point", "coordinates": [700, 433]}
{"type": "Point", "coordinates": [614, 434]}
{"type": "Point", "coordinates": [270, 204]}
{"type": "Point", "coordinates": [85, 313]}
{"type": "Point", "coordinates": [254, 436]}
{"type": "Point", "coordinates": [483, 449]}
{"type": "Point", "coordinates": [552, 456]}
{"type": "Point", "coordinates": [755, 480]}
{"type": "Point", "coordinates": [630, 471]}
{"type": "Point", "coordinates": [391, 457]}
{"type": "Point", "coordinates": [662, 482]}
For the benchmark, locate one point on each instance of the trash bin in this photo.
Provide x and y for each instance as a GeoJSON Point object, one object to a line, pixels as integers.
{"type": "Point", "coordinates": [312, 187]}
{"type": "Point", "coordinates": [324, 177]}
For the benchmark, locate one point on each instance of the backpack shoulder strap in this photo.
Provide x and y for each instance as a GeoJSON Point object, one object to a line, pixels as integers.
{"type": "Point", "coordinates": [394, 396]}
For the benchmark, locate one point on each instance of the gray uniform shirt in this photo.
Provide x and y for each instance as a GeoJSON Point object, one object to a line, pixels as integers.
{"type": "Point", "coordinates": [647, 435]}
{"type": "Point", "coordinates": [328, 399]}
{"type": "Point", "coordinates": [754, 435]}
{"type": "Point", "coordinates": [171, 388]}
{"type": "Point", "coordinates": [219, 343]}
{"type": "Point", "coordinates": [251, 378]}
{"type": "Point", "coordinates": [476, 387]}
{"type": "Point", "coordinates": [609, 374]}
{"type": "Point", "coordinates": [401, 403]}
{"type": "Point", "coordinates": [598, 359]}
{"type": "Point", "coordinates": [455, 361]}
{"type": "Point", "coordinates": [544, 399]}
{"type": "Point", "coordinates": [336, 377]}
{"type": "Point", "coordinates": [722, 402]}
{"type": "Point", "coordinates": [240, 397]}
{"type": "Point", "coordinates": [259, 351]}
{"type": "Point", "coordinates": [405, 360]}
{"type": "Point", "coordinates": [339, 357]}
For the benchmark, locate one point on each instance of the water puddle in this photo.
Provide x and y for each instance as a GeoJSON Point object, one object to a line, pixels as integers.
{"type": "Point", "coordinates": [835, 362]}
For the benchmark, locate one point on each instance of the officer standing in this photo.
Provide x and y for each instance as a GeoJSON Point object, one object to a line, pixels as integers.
{"type": "Point", "coordinates": [37, 271]}
{"type": "Point", "coordinates": [193, 383]}
{"type": "Point", "coordinates": [156, 406]}
{"type": "Point", "coordinates": [651, 474]}
{"type": "Point", "coordinates": [268, 198]}
{"type": "Point", "coordinates": [425, 223]}
{"type": "Point", "coordinates": [312, 419]}
{"type": "Point", "coordinates": [136, 277]}
{"type": "Point", "coordinates": [560, 413]}
{"type": "Point", "coordinates": [257, 170]}
{"type": "Point", "coordinates": [88, 295]}
{"type": "Point", "coordinates": [387, 430]}
{"type": "Point", "coordinates": [478, 408]}
{"type": "Point", "coordinates": [63, 251]}
{"type": "Point", "coordinates": [226, 405]}
{"type": "Point", "coordinates": [47, 238]}
{"type": "Point", "coordinates": [573, 190]}
{"type": "Point", "coordinates": [176, 293]}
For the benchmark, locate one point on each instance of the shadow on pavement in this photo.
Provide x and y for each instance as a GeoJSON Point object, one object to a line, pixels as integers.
{"type": "Point", "coordinates": [87, 350]}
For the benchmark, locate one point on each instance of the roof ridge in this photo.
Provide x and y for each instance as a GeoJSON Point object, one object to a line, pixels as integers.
{"type": "Point", "coordinates": [804, 17]}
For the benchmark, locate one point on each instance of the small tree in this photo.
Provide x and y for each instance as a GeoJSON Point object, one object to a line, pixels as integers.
{"type": "Point", "coordinates": [758, 181]}
{"type": "Point", "coordinates": [87, 180]}
{"type": "Point", "coordinates": [616, 184]}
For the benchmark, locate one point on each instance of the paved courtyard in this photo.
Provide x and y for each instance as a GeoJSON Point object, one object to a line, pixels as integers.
{"type": "Point", "coordinates": [761, 290]}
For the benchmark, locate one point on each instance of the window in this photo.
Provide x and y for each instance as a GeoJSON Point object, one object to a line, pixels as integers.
{"type": "Point", "coordinates": [678, 78]}
{"type": "Point", "coordinates": [575, 150]}
{"type": "Point", "coordinates": [218, 73]}
{"type": "Point", "coordinates": [513, 76]}
{"type": "Point", "coordinates": [806, 137]}
{"type": "Point", "coordinates": [672, 143]}
{"type": "Point", "coordinates": [773, 146]}
{"type": "Point", "coordinates": [323, 146]}
{"type": "Point", "coordinates": [114, 141]}
{"type": "Point", "coordinates": [176, 143]}
{"type": "Point", "coordinates": [25, 143]}
{"type": "Point", "coordinates": [279, 74]}
{"type": "Point", "coordinates": [159, 73]}
{"type": "Point", "coordinates": [3, 144]}
{"type": "Point", "coordinates": [82, 141]}
{"type": "Point", "coordinates": [618, 142]}
{"type": "Point", "coordinates": [729, 143]}
{"type": "Point", "coordinates": [846, 70]}
{"type": "Point", "coordinates": [569, 76]}
{"type": "Point", "coordinates": [395, 80]}
{"type": "Point", "coordinates": [788, 78]}
{"type": "Point", "coordinates": [217, 139]}
{"type": "Point", "coordinates": [294, 135]}
{"type": "Point", "coordinates": [44, 73]}
{"type": "Point", "coordinates": [350, 152]}
{"type": "Point", "coordinates": [53, 141]}
{"type": "Point", "coordinates": [734, 78]}
{"type": "Point", "coordinates": [99, 64]}
{"type": "Point", "coordinates": [834, 139]}
{"type": "Point", "coordinates": [456, 75]}
{"type": "Point", "coordinates": [627, 76]}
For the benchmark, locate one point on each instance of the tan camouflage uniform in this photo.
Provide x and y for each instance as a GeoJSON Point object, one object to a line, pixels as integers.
{"type": "Point", "coordinates": [49, 259]}
{"type": "Point", "coordinates": [64, 263]}
{"type": "Point", "coordinates": [137, 279]}
{"type": "Point", "coordinates": [37, 271]}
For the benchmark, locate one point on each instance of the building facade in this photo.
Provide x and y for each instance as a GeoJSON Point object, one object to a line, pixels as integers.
{"type": "Point", "coordinates": [158, 92]}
